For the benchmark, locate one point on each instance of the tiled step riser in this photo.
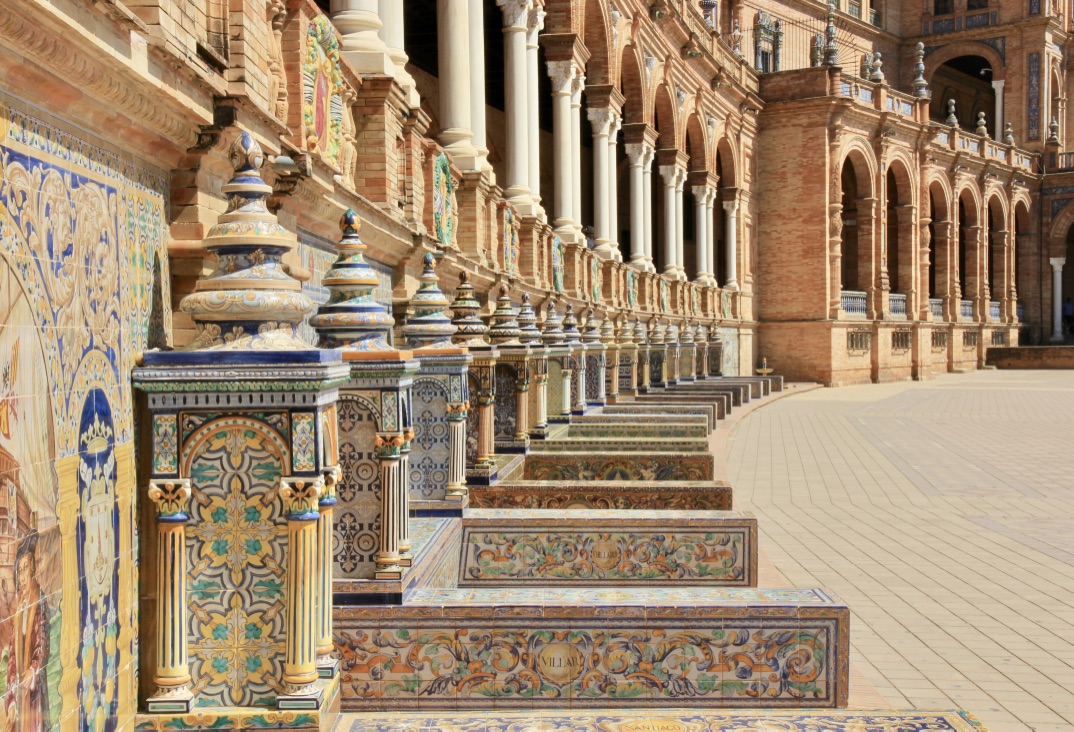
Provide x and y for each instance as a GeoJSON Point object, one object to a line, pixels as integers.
{"type": "Point", "coordinates": [637, 431]}
{"type": "Point", "coordinates": [608, 548]}
{"type": "Point", "coordinates": [649, 466]}
{"type": "Point", "coordinates": [695, 420]}
{"type": "Point", "coordinates": [634, 495]}
{"type": "Point", "coordinates": [595, 649]}
{"type": "Point", "coordinates": [722, 403]}
{"type": "Point", "coordinates": [619, 444]}
{"type": "Point", "coordinates": [637, 409]}
{"type": "Point", "coordinates": [739, 394]}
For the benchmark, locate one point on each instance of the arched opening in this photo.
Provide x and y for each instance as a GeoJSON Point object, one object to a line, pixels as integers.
{"type": "Point", "coordinates": [899, 235]}
{"type": "Point", "coordinates": [968, 249]}
{"type": "Point", "coordinates": [996, 252]}
{"type": "Point", "coordinates": [855, 273]}
{"type": "Point", "coordinates": [939, 230]}
{"type": "Point", "coordinates": [695, 150]}
{"type": "Point", "coordinates": [1021, 240]}
{"type": "Point", "coordinates": [664, 122]}
{"type": "Point", "coordinates": [726, 190]}
{"type": "Point", "coordinates": [633, 113]}
{"type": "Point", "coordinates": [968, 81]}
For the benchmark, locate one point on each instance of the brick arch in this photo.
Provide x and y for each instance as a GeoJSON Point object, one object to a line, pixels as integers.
{"type": "Point", "coordinates": [860, 155]}
{"type": "Point", "coordinates": [899, 164]}
{"type": "Point", "coordinates": [940, 191]}
{"type": "Point", "coordinates": [728, 163]}
{"type": "Point", "coordinates": [665, 117]}
{"type": "Point", "coordinates": [638, 105]}
{"type": "Point", "coordinates": [942, 55]}
{"type": "Point", "coordinates": [1060, 228]}
{"type": "Point", "coordinates": [596, 34]}
{"type": "Point", "coordinates": [695, 134]}
{"type": "Point", "coordinates": [973, 215]}
{"type": "Point", "coordinates": [996, 204]}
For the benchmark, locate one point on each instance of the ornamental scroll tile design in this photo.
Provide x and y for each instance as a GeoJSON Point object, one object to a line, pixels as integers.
{"type": "Point", "coordinates": [357, 522]}
{"type": "Point", "coordinates": [236, 543]}
{"type": "Point", "coordinates": [430, 451]}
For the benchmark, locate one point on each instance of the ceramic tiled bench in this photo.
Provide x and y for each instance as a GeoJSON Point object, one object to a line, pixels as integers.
{"type": "Point", "coordinates": [514, 547]}
{"type": "Point", "coordinates": [618, 466]}
{"type": "Point", "coordinates": [722, 401]}
{"type": "Point", "coordinates": [635, 409]}
{"type": "Point", "coordinates": [550, 648]}
{"type": "Point", "coordinates": [696, 417]}
{"type": "Point", "coordinates": [701, 495]}
{"type": "Point", "coordinates": [648, 439]}
{"type": "Point", "coordinates": [638, 429]}
{"type": "Point", "coordinates": [738, 393]}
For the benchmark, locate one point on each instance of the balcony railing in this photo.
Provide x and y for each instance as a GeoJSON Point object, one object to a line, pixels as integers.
{"type": "Point", "coordinates": [993, 310]}
{"type": "Point", "coordinates": [966, 309]}
{"type": "Point", "coordinates": [853, 303]}
{"type": "Point", "coordinates": [936, 304]}
{"type": "Point", "coordinates": [897, 304]}
{"type": "Point", "coordinates": [1066, 161]}
{"type": "Point", "coordinates": [854, 8]}
{"type": "Point", "coordinates": [874, 18]}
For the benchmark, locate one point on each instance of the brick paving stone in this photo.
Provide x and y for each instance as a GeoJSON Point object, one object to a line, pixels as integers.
{"type": "Point", "coordinates": [940, 511]}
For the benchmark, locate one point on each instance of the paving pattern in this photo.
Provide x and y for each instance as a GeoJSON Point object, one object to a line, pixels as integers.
{"type": "Point", "coordinates": [943, 513]}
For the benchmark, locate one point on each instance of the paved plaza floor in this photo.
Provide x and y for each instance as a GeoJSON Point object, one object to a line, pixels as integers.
{"type": "Point", "coordinates": [942, 512]}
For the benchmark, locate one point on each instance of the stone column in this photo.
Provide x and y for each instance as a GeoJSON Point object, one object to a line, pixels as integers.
{"type": "Point", "coordinates": [579, 381]}
{"type": "Point", "coordinates": [563, 74]}
{"type": "Point", "coordinates": [613, 188]}
{"type": "Point", "coordinates": [456, 479]}
{"type": "Point", "coordinates": [300, 497]}
{"type": "Point", "coordinates": [998, 86]}
{"type": "Point", "coordinates": [536, 23]}
{"type": "Point", "coordinates": [1057, 298]}
{"type": "Point", "coordinates": [387, 449]}
{"type": "Point", "coordinates": [540, 423]}
{"type": "Point", "coordinates": [404, 514]}
{"type": "Point", "coordinates": [456, 133]}
{"type": "Point", "coordinates": [391, 15]}
{"type": "Point", "coordinates": [680, 259]}
{"type": "Point", "coordinates": [576, 150]}
{"type": "Point", "coordinates": [731, 238]}
{"type": "Point", "coordinates": [359, 25]}
{"type": "Point", "coordinates": [647, 199]}
{"type": "Point", "coordinates": [835, 260]}
{"type": "Point", "coordinates": [924, 307]}
{"type": "Point", "coordinates": [603, 119]}
{"type": "Point", "coordinates": [172, 673]}
{"type": "Point", "coordinates": [522, 403]}
{"type": "Point", "coordinates": [670, 176]}
{"type": "Point", "coordinates": [327, 666]}
{"type": "Point", "coordinates": [476, 18]}
{"type": "Point", "coordinates": [702, 221]}
{"type": "Point", "coordinates": [486, 428]}
{"type": "Point", "coordinates": [567, 377]}
{"type": "Point", "coordinates": [636, 154]}
{"type": "Point", "coordinates": [710, 243]}
{"type": "Point", "coordinates": [516, 88]}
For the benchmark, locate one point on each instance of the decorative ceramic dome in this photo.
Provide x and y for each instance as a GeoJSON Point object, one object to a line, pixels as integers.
{"type": "Point", "coordinates": [470, 330]}
{"type": "Point", "coordinates": [503, 329]}
{"type": "Point", "coordinates": [429, 326]}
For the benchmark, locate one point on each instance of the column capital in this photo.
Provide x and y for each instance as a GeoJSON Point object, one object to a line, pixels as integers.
{"type": "Point", "coordinates": [637, 153]}
{"type": "Point", "coordinates": [703, 194]}
{"type": "Point", "coordinates": [731, 206]}
{"type": "Point", "coordinates": [516, 13]}
{"type": "Point", "coordinates": [171, 498]}
{"type": "Point", "coordinates": [536, 23]}
{"type": "Point", "coordinates": [1057, 263]}
{"type": "Point", "coordinates": [577, 87]}
{"type": "Point", "coordinates": [563, 75]}
{"type": "Point", "coordinates": [603, 119]}
{"type": "Point", "coordinates": [671, 174]}
{"type": "Point", "coordinates": [300, 496]}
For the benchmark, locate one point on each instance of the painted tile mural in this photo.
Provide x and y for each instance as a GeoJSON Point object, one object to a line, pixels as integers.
{"type": "Point", "coordinates": [430, 453]}
{"type": "Point", "coordinates": [83, 280]}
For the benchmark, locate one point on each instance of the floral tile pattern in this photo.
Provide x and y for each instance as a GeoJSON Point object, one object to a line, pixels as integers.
{"type": "Point", "coordinates": [510, 548]}
{"type": "Point", "coordinates": [623, 466]}
{"type": "Point", "coordinates": [666, 720]}
{"type": "Point", "coordinates": [635, 495]}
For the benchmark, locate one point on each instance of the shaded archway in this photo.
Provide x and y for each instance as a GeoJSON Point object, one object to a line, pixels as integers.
{"type": "Point", "coordinates": [856, 198]}
{"type": "Point", "coordinates": [969, 270]}
{"type": "Point", "coordinates": [940, 275]}
{"type": "Point", "coordinates": [968, 81]}
{"type": "Point", "coordinates": [667, 146]}
{"type": "Point", "coordinates": [727, 189]}
{"type": "Point", "coordinates": [1021, 274]}
{"type": "Point", "coordinates": [899, 235]}
{"type": "Point", "coordinates": [697, 152]}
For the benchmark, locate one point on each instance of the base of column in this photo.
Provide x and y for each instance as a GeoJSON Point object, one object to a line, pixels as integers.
{"type": "Point", "coordinates": [405, 559]}
{"type": "Point", "coordinates": [458, 143]}
{"type": "Point", "coordinates": [370, 61]}
{"type": "Point", "coordinates": [603, 248]}
{"type": "Point", "coordinates": [388, 572]}
{"type": "Point", "coordinates": [638, 262]}
{"type": "Point", "coordinates": [309, 698]}
{"type": "Point", "coordinates": [704, 278]}
{"type": "Point", "coordinates": [456, 493]}
{"type": "Point", "coordinates": [1057, 338]}
{"type": "Point", "coordinates": [171, 701]}
{"type": "Point", "coordinates": [328, 668]}
{"type": "Point", "coordinates": [731, 286]}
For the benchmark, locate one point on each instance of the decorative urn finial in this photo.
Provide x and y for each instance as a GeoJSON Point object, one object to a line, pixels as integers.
{"type": "Point", "coordinates": [571, 334]}
{"type": "Point", "coordinates": [470, 330]}
{"type": "Point", "coordinates": [552, 330]}
{"type": "Point", "coordinates": [504, 330]}
{"type": "Point", "coordinates": [591, 333]}
{"type": "Point", "coordinates": [429, 326]}
{"type": "Point", "coordinates": [527, 322]}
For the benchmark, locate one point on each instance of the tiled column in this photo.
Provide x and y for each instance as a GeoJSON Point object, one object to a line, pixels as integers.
{"type": "Point", "coordinates": [563, 75]}
{"type": "Point", "coordinates": [516, 15]}
{"type": "Point", "coordinates": [456, 479]}
{"type": "Point", "coordinates": [835, 259]}
{"type": "Point", "coordinates": [404, 514]}
{"type": "Point", "coordinates": [300, 497]}
{"type": "Point", "coordinates": [536, 23]}
{"type": "Point", "coordinates": [327, 666]}
{"type": "Point", "coordinates": [172, 674]}
{"type": "Point", "coordinates": [522, 403]}
{"type": "Point", "coordinates": [486, 427]}
{"type": "Point", "coordinates": [387, 449]}
{"type": "Point", "coordinates": [603, 120]}
{"type": "Point", "coordinates": [924, 308]}
{"type": "Point", "coordinates": [456, 131]}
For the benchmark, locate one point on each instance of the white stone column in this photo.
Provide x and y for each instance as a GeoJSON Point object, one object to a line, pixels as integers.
{"type": "Point", "coordinates": [647, 198]}
{"type": "Point", "coordinates": [391, 15]}
{"type": "Point", "coordinates": [516, 89]}
{"type": "Point", "coordinates": [702, 221]}
{"type": "Point", "coordinates": [576, 149]}
{"type": "Point", "coordinates": [359, 25]}
{"type": "Point", "coordinates": [1057, 298]}
{"type": "Point", "coordinates": [680, 259]}
{"type": "Point", "coordinates": [613, 188]}
{"type": "Point", "coordinates": [563, 74]}
{"type": "Point", "coordinates": [452, 30]}
{"type": "Point", "coordinates": [636, 154]}
{"type": "Point", "coordinates": [536, 23]}
{"type": "Point", "coordinates": [998, 86]}
{"type": "Point", "coordinates": [710, 240]}
{"type": "Point", "coordinates": [731, 238]}
{"type": "Point", "coordinates": [670, 176]}
{"type": "Point", "coordinates": [602, 119]}
{"type": "Point", "coordinates": [476, 17]}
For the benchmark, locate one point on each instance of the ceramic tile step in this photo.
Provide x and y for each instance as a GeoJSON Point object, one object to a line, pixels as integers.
{"type": "Point", "coordinates": [516, 547]}
{"type": "Point", "coordinates": [760, 386]}
{"type": "Point", "coordinates": [666, 720]}
{"type": "Point", "coordinates": [648, 440]}
{"type": "Point", "coordinates": [739, 393]}
{"type": "Point", "coordinates": [551, 648]}
{"type": "Point", "coordinates": [635, 408]}
{"type": "Point", "coordinates": [642, 428]}
{"type": "Point", "coordinates": [722, 402]}
{"type": "Point", "coordinates": [638, 465]}
{"type": "Point", "coordinates": [430, 538]}
{"type": "Point", "coordinates": [650, 418]}
{"type": "Point", "coordinates": [252, 717]}
{"type": "Point", "coordinates": [700, 495]}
